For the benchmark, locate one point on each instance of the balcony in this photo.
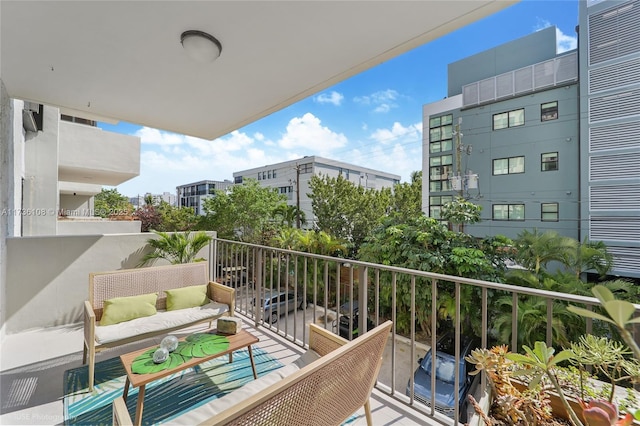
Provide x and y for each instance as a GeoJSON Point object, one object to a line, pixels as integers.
{"type": "Point", "coordinates": [33, 360]}
{"type": "Point", "coordinates": [91, 155]}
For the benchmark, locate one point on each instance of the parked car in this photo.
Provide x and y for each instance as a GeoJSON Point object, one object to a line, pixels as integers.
{"type": "Point", "coordinates": [344, 319]}
{"type": "Point", "coordinates": [276, 303]}
{"type": "Point", "coordinates": [445, 372]}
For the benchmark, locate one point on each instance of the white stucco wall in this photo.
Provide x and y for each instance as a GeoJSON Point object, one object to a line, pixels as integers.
{"type": "Point", "coordinates": [113, 158]}
{"type": "Point", "coordinates": [40, 198]}
{"type": "Point", "coordinates": [48, 276]}
{"type": "Point", "coordinates": [5, 195]}
{"type": "Point", "coordinates": [92, 227]}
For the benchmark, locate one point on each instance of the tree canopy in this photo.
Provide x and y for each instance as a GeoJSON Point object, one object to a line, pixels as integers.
{"type": "Point", "coordinates": [347, 211]}
{"type": "Point", "coordinates": [246, 212]}
{"type": "Point", "coordinates": [111, 202]}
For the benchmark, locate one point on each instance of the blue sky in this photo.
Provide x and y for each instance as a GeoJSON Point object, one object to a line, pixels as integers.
{"type": "Point", "coordinates": [373, 119]}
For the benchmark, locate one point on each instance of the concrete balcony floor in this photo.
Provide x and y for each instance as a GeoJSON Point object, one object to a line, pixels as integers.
{"type": "Point", "coordinates": [32, 365]}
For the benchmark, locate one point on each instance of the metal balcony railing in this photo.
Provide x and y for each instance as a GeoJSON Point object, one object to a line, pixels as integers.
{"type": "Point", "coordinates": [332, 285]}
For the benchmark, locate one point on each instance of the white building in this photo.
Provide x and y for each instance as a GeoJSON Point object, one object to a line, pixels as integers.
{"type": "Point", "coordinates": [292, 178]}
{"type": "Point", "coordinates": [194, 194]}
{"type": "Point", "coordinates": [167, 197]}
{"type": "Point", "coordinates": [60, 162]}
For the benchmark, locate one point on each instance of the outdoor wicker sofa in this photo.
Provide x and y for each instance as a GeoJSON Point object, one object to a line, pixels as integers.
{"type": "Point", "coordinates": [105, 286]}
{"type": "Point", "coordinates": [324, 387]}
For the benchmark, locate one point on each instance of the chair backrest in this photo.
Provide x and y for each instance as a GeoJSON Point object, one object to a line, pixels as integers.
{"type": "Point", "coordinates": [325, 392]}
{"type": "Point", "coordinates": [132, 282]}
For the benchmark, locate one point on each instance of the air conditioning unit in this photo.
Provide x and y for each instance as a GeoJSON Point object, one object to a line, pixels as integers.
{"type": "Point", "coordinates": [28, 121]}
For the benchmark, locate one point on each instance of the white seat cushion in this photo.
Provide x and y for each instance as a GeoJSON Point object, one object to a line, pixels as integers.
{"type": "Point", "coordinates": [163, 320]}
{"type": "Point", "coordinates": [206, 411]}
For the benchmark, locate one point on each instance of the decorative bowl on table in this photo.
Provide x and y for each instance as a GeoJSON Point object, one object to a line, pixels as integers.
{"type": "Point", "coordinates": [170, 343]}
{"type": "Point", "coordinates": [160, 355]}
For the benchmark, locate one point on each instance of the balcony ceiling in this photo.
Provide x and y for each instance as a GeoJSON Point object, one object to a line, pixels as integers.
{"type": "Point", "coordinates": [122, 60]}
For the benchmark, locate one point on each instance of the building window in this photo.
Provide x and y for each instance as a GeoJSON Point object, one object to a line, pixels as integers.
{"type": "Point", "coordinates": [77, 120]}
{"type": "Point", "coordinates": [440, 133]}
{"type": "Point", "coordinates": [269, 175]}
{"type": "Point", "coordinates": [549, 111]}
{"type": "Point", "coordinates": [504, 120]}
{"type": "Point", "coordinates": [436, 203]}
{"type": "Point", "coordinates": [508, 166]}
{"type": "Point", "coordinates": [274, 174]}
{"type": "Point", "coordinates": [549, 161]}
{"type": "Point", "coordinates": [237, 179]}
{"type": "Point", "coordinates": [549, 212]}
{"type": "Point", "coordinates": [305, 168]}
{"type": "Point", "coordinates": [508, 212]}
{"type": "Point", "coordinates": [440, 171]}
{"type": "Point", "coordinates": [259, 176]}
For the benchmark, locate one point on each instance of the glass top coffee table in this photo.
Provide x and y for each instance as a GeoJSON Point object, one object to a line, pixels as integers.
{"type": "Point", "coordinates": [243, 339]}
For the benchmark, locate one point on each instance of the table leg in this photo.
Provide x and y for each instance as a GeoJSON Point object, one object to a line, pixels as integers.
{"type": "Point", "coordinates": [253, 364]}
{"type": "Point", "coordinates": [139, 406]}
{"type": "Point", "coordinates": [125, 393]}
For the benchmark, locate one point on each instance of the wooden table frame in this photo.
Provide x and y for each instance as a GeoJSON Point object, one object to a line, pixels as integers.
{"type": "Point", "coordinates": [243, 339]}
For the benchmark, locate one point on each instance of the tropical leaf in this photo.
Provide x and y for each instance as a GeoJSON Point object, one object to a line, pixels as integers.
{"type": "Point", "coordinates": [144, 363]}
{"type": "Point", "coordinates": [202, 344]}
{"type": "Point", "coordinates": [197, 345]}
{"type": "Point", "coordinates": [588, 314]}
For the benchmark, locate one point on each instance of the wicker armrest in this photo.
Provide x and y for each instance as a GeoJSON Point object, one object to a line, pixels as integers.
{"type": "Point", "coordinates": [324, 341]}
{"type": "Point", "coordinates": [223, 294]}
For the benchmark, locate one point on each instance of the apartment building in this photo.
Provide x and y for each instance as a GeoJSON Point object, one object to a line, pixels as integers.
{"type": "Point", "coordinates": [292, 178]}
{"type": "Point", "coordinates": [194, 194]}
{"type": "Point", "coordinates": [167, 197]}
{"type": "Point", "coordinates": [609, 49]}
{"type": "Point", "coordinates": [60, 162]}
{"type": "Point", "coordinates": [543, 140]}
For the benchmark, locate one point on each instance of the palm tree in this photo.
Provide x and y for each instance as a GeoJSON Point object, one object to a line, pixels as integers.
{"type": "Point", "coordinates": [176, 247]}
{"type": "Point", "coordinates": [532, 321]}
{"type": "Point", "coordinates": [535, 250]}
{"type": "Point", "coordinates": [288, 215]}
{"type": "Point", "coordinates": [288, 238]}
{"type": "Point", "coordinates": [590, 255]}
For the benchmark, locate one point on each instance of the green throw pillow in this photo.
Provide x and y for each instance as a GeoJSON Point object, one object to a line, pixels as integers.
{"type": "Point", "coordinates": [121, 309]}
{"type": "Point", "coordinates": [186, 297]}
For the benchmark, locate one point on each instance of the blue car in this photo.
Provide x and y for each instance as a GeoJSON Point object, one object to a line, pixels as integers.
{"type": "Point", "coordinates": [445, 374]}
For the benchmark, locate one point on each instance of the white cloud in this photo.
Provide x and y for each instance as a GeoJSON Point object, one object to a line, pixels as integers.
{"type": "Point", "coordinates": [400, 158]}
{"type": "Point", "coordinates": [168, 160]}
{"type": "Point", "coordinates": [307, 132]}
{"type": "Point", "coordinates": [151, 136]}
{"type": "Point", "coordinates": [564, 42]}
{"type": "Point", "coordinates": [382, 101]}
{"type": "Point", "coordinates": [334, 98]}
{"type": "Point", "coordinates": [397, 131]}
{"type": "Point", "coordinates": [383, 108]}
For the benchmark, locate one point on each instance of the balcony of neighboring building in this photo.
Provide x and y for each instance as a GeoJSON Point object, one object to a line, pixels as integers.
{"type": "Point", "coordinates": [77, 215]}
{"type": "Point", "coordinates": [90, 155]}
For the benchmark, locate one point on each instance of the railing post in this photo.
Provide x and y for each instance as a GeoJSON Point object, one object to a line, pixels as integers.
{"type": "Point", "coordinates": [258, 311]}
{"type": "Point", "coordinates": [213, 259]}
{"type": "Point", "coordinates": [363, 279]}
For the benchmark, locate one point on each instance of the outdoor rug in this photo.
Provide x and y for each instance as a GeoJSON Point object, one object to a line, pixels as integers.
{"type": "Point", "coordinates": [164, 399]}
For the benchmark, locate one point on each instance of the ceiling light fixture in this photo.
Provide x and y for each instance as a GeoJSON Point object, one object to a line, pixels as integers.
{"type": "Point", "coordinates": [200, 46]}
